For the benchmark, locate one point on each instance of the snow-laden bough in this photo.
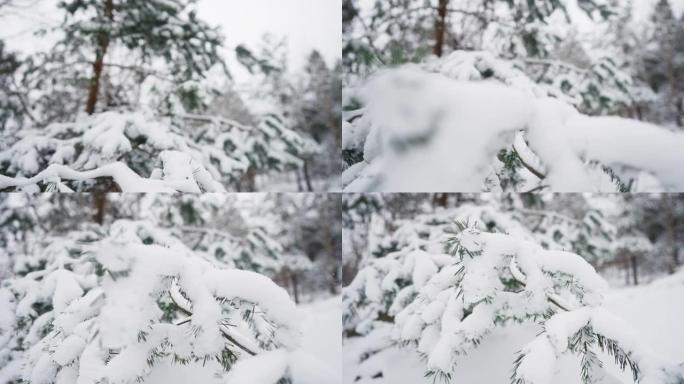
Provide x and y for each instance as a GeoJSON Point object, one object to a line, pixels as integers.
{"type": "Point", "coordinates": [112, 309]}
{"type": "Point", "coordinates": [444, 302]}
{"type": "Point", "coordinates": [440, 125]}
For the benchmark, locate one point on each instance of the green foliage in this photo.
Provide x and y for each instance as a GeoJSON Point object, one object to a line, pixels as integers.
{"type": "Point", "coordinates": [509, 175]}
{"type": "Point", "coordinates": [10, 104]}
{"type": "Point", "coordinates": [585, 343]}
{"type": "Point", "coordinates": [622, 359]}
{"type": "Point", "coordinates": [254, 64]}
{"type": "Point", "coordinates": [151, 29]}
{"type": "Point", "coordinates": [438, 376]}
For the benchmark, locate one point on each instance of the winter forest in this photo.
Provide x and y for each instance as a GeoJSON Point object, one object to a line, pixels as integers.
{"type": "Point", "coordinates": [151, 288]}
{"type": "Point", "coordinates": [341, 191]}
{"type": "Point", "coordinates": [514, 288]}
{"type": "Point", "coordinates": [513, 95]}
{"type": "Point", "coordinates": [146, 96]}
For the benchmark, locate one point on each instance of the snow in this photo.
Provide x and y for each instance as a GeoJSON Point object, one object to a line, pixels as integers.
{"type": "Point", "coordinates": [168, 373]}
{"type": "Point", "coordinates": [649, 309]}
{"type": "Point", "coordinates": [66, 289]}
{"type": "Point", "coordinates": [569, 263]}
{"type": "Point", "coordinates": [69, 350]}
{"type": "Point", "coordinates": [322, 339]}
{"type": "Point", "coordinates": [127, 179]}
{"type": "Point", "coordinates": [266, 368]}
{"type": "Point", "coordinates": [256, 288]}
{"type": "Point", "coordinates": [433, 312]}
{"type": "Point", "coordinates": [437, 126]}
{"type": "Point", "coordinates": [417, 137]}
{"type": "Point", "coordinates": [649, 147]}
{"type": "Point", "coordinates": [317, 361]}
{"type": "Point", "coordinates": [71, 341]}
{"type": "Point", "coordinates": [196, 153]}
{"type": "Point", "coordinates": [423, 268]}
{"type": "Point", "coordinates": [467, 300]}
{"type": "Point", "coordinates": [539, 363]}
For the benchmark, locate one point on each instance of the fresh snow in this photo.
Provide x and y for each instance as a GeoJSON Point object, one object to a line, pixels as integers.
{"type": "Point", "coordinates": [430, 127]}
{"type": "Point", "coordinates": [647, 308]}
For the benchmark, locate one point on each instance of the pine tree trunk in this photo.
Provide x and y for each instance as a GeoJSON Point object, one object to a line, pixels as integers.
{"type": "Point", "coordinates": [627, 271]}
{"type": "Point", "coordinates": [679, 118]}
{"type": "Point", "coordinates": [299, 181]}
{"type": "Point", "coordinates": [100, 52]}
{"type": "Point", "coordinates": [440, 200]}
{"type": "Point", "coordinates": [295, 287]}
{"type": "Point", "coordinates": [635, 272]}
{"type": "Point", "coordinates": [675, 95]}
{"type": "Point", "coordinates": [672, 223]}
{"type": "Point", "coordinates": [248, 181]}
{"type": "Point", "coordinates": [440, 27]}
{"type": "Point", "coordinates": [639, 113]}
{"type": "Point", "coordinates": [99, 203]}
{"type": "Point", "coordinates": [329, 244]}
{"type": "Point", "coordinates": [307, 177]}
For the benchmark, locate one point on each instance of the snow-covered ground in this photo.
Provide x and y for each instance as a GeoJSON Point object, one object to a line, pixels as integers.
{"type": "Point", "coordinates": [654, 310]}
{"type": "Point", "coordinates": [323, 334]}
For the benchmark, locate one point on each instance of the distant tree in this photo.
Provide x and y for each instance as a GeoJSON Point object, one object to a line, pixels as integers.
{"type": "Point", "coordinates": [11, 104]}
{"type": "Point", "coordinates": [156, 29]}
{"type": "Point", "coordinates": [665, 63]}
{"type": "Point", "coordinates": [317, 113]}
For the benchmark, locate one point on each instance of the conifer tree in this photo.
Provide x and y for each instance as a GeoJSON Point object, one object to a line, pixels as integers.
{"type": "Point", "coordinates": [167, 30]}
{"type": "Point", "coordinates": [665, 64]}
{"type": "Point", "coordinates": [444, 303]}
{"type": "Point", "coordinates": [121, 300]}
{"type": "Point", "coordinates": [10, 101]}
{"type": "Point", "coordinates": [71, 309]}
{"type": "Point", "coordinates": [317, 113]}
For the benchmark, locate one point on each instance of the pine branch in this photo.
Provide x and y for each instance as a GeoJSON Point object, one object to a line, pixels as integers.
{"type": "Point", "coordinates": [186, 306]}
{"type": "Point", "coordinates": [622, 358]}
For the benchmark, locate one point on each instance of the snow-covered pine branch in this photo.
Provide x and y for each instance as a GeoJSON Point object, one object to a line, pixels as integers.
{"type": "Point", "coordinates": [504, 267]}
{"type": "Point", "coordinates": [400, 260]}
{"type": "Point", "coordinates": [141, 152]}
{"type": "Point", "coordinates": [440, 125]}
{"type": "Point", "coordinates": [111, 307]}
{"type": "Point", "coordinates": [496, 279]}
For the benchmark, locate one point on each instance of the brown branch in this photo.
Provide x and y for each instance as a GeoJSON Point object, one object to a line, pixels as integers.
{"type": "Point", "coordinates": [529, 167]}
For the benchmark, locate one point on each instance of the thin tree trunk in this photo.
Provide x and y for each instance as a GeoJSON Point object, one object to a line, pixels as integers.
{"type": "Point", "coordinates": [100, 52]}
{"type": "Point", "coordinates": [295, 287]}
{"type": "Point", "coordinates": [100, 204]}
{"type": "Point", "coordinates": [299, 181]}
{"type": "Point", "coordinates": [671, 222]}
{"type": "Point", "coordinates": [440, 27]}
{"type": "Point", "coordinates": [440, 200]}
{"type": "Point", "coordinates": [639, 113]}
{"type": "Point", "coordinates": [307, 177]}
{"type": "Point", "coordinates": [329, 244]}
{"type": "Point", "coordinates": [675, 245]}
{"type": "Point", "coordinates": [635, 272]}
{"type": "Point", "coordinates": [675, 95]}
{"type": "Point", "coordinates": [248, 181]}
{"type": "Point", "coordinates": [627, 270]}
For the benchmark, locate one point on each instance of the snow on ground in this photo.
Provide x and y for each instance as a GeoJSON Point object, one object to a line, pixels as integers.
{"type": "Point", "coordinates": [654, 310]}
{"type": "Point", "coordinates": [323, 334]}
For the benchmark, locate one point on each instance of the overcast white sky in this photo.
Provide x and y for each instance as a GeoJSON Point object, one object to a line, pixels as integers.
{"type": "Point", "coordinates": [307, 24]}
